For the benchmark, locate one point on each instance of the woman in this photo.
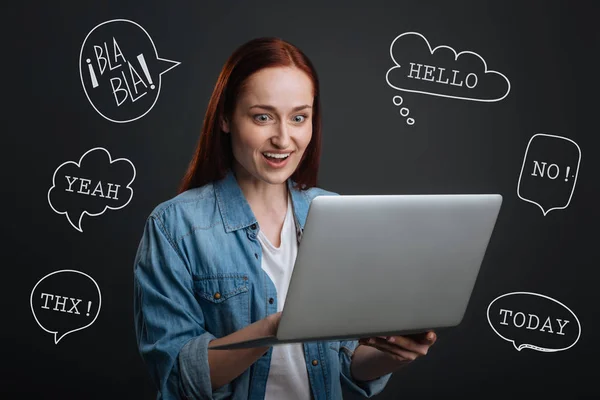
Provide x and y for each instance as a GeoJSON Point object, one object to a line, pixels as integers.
{"type": "Point", "coordinates": [214, 262]}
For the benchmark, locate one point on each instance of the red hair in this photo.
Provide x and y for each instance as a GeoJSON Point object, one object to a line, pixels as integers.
{"type": "Point", "coordinates": [213, 155]}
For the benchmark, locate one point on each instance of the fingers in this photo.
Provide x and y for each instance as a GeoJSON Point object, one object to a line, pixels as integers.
{"type": "Point", "coordinates": [392, 349]}
{"type": "Point", "coordinates": [418, 344]}
{"type": "Point", "coordinates": [428, 337]}
{"type": "Point", "coordinates": [401, 342]}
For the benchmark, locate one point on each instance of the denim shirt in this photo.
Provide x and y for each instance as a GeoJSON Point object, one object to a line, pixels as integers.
{"type": "Point", "coordinates": [195, 245]}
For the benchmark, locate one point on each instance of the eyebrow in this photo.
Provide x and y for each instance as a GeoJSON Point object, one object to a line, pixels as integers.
{"type": "Point", "coordinates": [271, 108]}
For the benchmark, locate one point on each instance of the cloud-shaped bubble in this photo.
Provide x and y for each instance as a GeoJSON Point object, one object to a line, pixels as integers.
{"type": "Point", "coordinates": [64, 302]}
{"type": "Point", "coordinates": [442, 71]}
{"type": "Point", "coordinates": [534, 321]}
{"type": "Point", "coordinates": [121, 71]}
{"type": "Point", "coordinates": [91, 186]}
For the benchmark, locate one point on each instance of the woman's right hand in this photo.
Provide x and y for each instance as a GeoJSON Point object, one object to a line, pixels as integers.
{"type": "Point", "coordinates": [273, 323]}
{"type": "Point", "coordinates": [227, 365]}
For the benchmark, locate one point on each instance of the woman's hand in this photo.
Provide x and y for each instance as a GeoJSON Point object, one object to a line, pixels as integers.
{"type": "Point", "coordinates": [273, 323]}
{"type": "Point", "coordinates": [402, 348]}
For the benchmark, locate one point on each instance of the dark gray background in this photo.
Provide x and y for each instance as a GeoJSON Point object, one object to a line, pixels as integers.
{"type": "Point", "coordinates": [547, 49]}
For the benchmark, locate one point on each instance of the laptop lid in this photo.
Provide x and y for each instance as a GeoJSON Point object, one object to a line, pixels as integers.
{"type": "Point", "coordinates": [386, 264]}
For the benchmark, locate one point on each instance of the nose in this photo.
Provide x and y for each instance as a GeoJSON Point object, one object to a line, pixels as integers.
{"type": "Point", "coordinates": [281, 137]}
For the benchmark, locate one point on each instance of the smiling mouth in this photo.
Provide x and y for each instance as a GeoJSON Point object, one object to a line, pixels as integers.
{"type": "Point", "coordinates": [276, 157]}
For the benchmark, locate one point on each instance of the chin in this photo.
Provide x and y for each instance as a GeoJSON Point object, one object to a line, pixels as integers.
{"type": "Point", "coordinates": [276, 177]}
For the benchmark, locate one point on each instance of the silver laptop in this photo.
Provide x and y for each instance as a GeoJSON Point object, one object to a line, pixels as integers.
{"type": "Point", "coordinates": [383, 265]}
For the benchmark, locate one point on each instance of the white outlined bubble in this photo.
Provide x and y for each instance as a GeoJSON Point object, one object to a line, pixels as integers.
{"type": "Point", "coordinates": [437, 79]}
{"type": "Point", "coordinates": [74, 211]}
{"type": "Point", "coordinates": [63, 313]}
{"type": "Point", "coordinates": [549, 172]}
{"type": "Point", "coordinates": [120, 70]}
{"type": "Point", "coordinates": [525, 344]}
{"type": "Point", "coordinates": [398, 100]}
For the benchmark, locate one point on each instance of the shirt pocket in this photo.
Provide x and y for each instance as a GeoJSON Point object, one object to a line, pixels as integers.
{"type": "Point", "coordinates": [224, 300]}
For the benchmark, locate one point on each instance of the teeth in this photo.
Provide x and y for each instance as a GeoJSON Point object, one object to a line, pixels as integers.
{"type": "Point", "coordinates": [274, 155]}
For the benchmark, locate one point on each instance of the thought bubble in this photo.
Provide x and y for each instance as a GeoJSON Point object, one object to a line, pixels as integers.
{"type": "Point", "coordinates": [534, 321]}
{"type": "Point", "coordinates": [549, 172]}
{"type": "Point", "coordinates": [91, 186]}
{"type": "Point", "coordinates": [404, 111]}
{"type": "Point", "coordinates": [121, 71]}
{"type": "Point", "coordinates": [442, 71]}
{"type": "Point", "coordinates": [64, 302]}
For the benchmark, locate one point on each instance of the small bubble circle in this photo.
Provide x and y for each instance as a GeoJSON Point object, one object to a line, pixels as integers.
{"type": "Point", "coordinates": [88, 61]}
{"type": "Point", "coordinates": [410, 121]}
{"type": "Point", "coordinates": [152, 87]}
{"type": "Point", "coordinates": [397, 100]}
{"type": "Point", "coordinates": [404, 111]}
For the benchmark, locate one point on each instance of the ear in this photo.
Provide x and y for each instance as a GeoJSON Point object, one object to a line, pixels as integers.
{"type": "Point", "coordinates": [224, 125]}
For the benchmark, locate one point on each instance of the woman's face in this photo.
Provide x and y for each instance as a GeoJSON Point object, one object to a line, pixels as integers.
{"type": "Point", "coordinates": [271, 125]}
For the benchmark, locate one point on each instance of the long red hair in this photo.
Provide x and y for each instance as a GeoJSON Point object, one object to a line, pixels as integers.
{"type": "Point", "coordinates": [213, 155]}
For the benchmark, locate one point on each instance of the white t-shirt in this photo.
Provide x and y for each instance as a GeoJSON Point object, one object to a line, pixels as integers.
{"type": "Point", "coordinates": [288, 378]}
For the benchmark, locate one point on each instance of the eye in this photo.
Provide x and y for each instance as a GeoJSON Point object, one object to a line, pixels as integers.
{"type": "Point", "coordinates": [261, 117]}
{"type": "Point", "coordinates": [300, 118]}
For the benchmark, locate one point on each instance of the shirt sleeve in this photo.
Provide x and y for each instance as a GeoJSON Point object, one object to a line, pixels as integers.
{"type": "Point", "coordinates": [364, 388]}
{"type": "Point", "coordinates": [169, 322]}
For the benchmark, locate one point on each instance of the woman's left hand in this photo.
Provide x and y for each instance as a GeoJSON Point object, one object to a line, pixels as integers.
{"type": "Point", "coordinates": [402, 348]}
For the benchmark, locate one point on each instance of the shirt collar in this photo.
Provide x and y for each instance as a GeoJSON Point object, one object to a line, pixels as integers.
{"type": "Point", "coordinates": [235, 210]}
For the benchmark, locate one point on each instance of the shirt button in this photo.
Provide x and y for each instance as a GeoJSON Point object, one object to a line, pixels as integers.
{"type": "Point", "coordinates": [256, 255]}
{"type": "Point", "coordinates": [253, 226]}
{"type": "Point", "coordinates": [217, 295]}
{"type": "Point", "coordinates": [271, 300]}
{"type": "Point", "coordinates": [315, 362]}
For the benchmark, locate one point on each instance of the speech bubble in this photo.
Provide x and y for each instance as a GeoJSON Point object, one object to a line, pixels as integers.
{"type": "Point", "coordinates": [549, 172]}
{"type": "Point", "coordinates": [121, 71]}
{"type": "Point", "coordinates": [442, 71]}
{"type": "Point", "coordinates": [534, 321]}
{"type": "Point", "coordinates": [65, 301]}
{"type": "Point", "coordinates": [91, 186]}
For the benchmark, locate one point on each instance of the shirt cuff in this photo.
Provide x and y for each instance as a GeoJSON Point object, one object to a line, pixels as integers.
{"type": "Point", "coordinates": [364, 388]}
{"type": "Point", "coordinates": [195, 373]}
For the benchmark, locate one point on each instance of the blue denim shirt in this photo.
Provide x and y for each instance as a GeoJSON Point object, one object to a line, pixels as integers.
{"type": "Point", "coordinates": [201, 242]}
